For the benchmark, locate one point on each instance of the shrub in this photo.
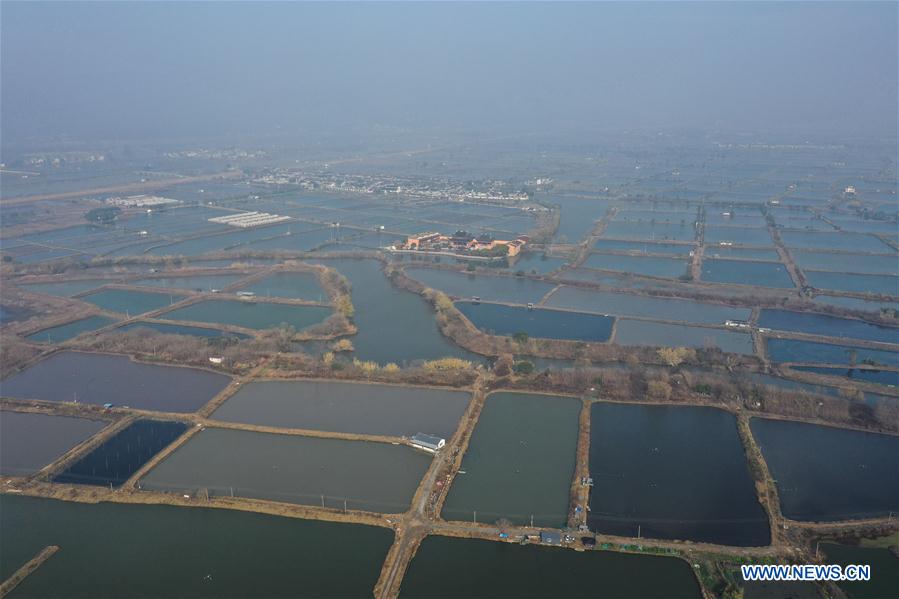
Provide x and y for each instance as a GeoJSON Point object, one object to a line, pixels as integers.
{"type": "Point", "coordinates": [523, 367]}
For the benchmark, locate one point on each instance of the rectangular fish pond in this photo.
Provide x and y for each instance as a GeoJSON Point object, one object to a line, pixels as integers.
{"type": "Point", "coordinates": [827, 325]}
{"type": "Point", "coordinates": [497, 569]}
{"type": "Point", "coordinates": [664, 308]}
{"type": "Point", "coordinates": [672, 473]}
{"type": "Point", "coordinates": [794, 350]}
{"type": "Point", "coordinates": [743, 272]}
{"type": "Point", "coordinates": [347, 407]}
{"type": "Point", "coordinates": [520, 461]}
{"type": "Point", "coordinates": [123, 550]}
{"type": "Point", "coordinates": [825, 473]}
{"type": "Point", "coordinates": [377, 477]}
{"type": "Point", "coordinates": [292, 285]}
{"type": "Point", "coordinates": [130, 302]}
{"type": "Point", "coordinates": [500, 289]}
{"type": "Point", "coordinates": [499, 319]}
{"type": "Point", "coordinates": [116, 459]}
{"type": "Point", "coordinates": [644, 332]}
{"type": "Point", "coordinates": [98, 379]}
{"type": "Point", "coordinates": [30, 441]}
{"type": "Point", "coordinates": [250, 315]}
{"type": "Point", "coordinates": [70, 330]}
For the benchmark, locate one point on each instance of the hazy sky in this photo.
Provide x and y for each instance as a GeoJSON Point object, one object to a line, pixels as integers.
{"type": "Point", "coordinates": [129, 70]}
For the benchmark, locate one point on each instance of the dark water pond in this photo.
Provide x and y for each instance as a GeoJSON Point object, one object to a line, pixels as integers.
{"type": "Point", "coordinates": [65, 288]}
{"type": "Point", "coordinates": [496, 569]}
{"type": "Point", "coordinates": [120, 456]}
{"type": "Point", "coordinates": [860, 283]}
{"type": "Point", "coordinates": [501, 289]}
{"type": "Point", "coordinates": [792, 350]}
{"type": "Point", "coordinates": [28, 442]}
{"type": "Point", "coordinates": [623, 304]}
{"type": "Point", "coordinates": [292, 285]}
{"type": "Point", "coordinates": [131, 302]}
{"type": "Point", "coordinates": [672, 473]}
{"type": "Point", "coordinates": [69, 330]}
{"type": "Point", "coordinates": [824, 324]}
{"type": "Point", "coordinates": [100, 378]}
{"type": "Point", "coordinates": [500, 319]}
{"type": "Point", "coordinates": [194, 283]}
{"type": "Point", "coordinates": [741, 272]}
{"type": "Point", "coordinates": [884, 570]}
{"type": "Point", "coordinates": [250, 315]}
{"type": "Point", "coordinates": [826, 473]}
{"type": "Point", "coordinates": [118, 550]}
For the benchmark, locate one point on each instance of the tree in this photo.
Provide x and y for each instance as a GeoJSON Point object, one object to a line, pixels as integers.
{"type": "Point", "coordinates": [503, 365]}
{"type": "Point", "coordinates": [675, 356]}
{"type": "Point", "coordinates": [523, 367]}
{"type": "Point", "coordinates": [521, 337]}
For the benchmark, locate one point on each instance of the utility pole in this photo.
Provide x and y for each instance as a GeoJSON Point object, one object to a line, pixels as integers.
{"type": "Point", "coordinates": [639, 530]}
{"type": "Point", "coordinates": [474, 518]}
{"type": "Point", "coordinates": [344, 506]}
{"type": "Point", "coordinates": [323, 501]}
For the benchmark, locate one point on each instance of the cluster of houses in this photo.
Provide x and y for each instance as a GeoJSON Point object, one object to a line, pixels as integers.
{"type": "Point", "coordinates": [464, 242]}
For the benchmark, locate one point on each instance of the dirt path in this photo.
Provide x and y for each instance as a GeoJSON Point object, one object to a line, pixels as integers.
{"type": "Point", "coordinates": [30, 566]}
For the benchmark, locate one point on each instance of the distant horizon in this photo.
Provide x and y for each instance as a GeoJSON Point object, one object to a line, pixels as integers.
{"type": "Point", "coordinates": [149, 71]}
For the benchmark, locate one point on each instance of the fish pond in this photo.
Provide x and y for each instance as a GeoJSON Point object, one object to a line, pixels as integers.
{"type": "Point", "coordinates": [98, 379]}
{"type": "Point", "coordinates": [122, 550]}
{"type": "Point", "coordinates": [193, 283]}
{"type": "Point", "coordinates": [672, 473]}
{"type": "Point", "coordinates": [501, 289]}
{"type": "Point", "coordinates": [291, 285]}
{"type": "Point", "coordinates": [250, 315]}
{"type": "Point", "coordinates": [854, 263]}
{"type": "Point", "coordinates": [742, 272]}
{"type": "Point", "coordinates": [130, 302]}
{"type": "Point", "coordinates": [378, 477]}
{"type": "Point", "coordinates": [520, 461]}
{"type": "Point", "coordinates": [499, 319]}
{"type": "Point", "coordinates": [347, 407]}
{"type": "Point", "coordinates": [853, 283]}
{"type": "Point", "coordinates": [616, 245]}
{"type": "Point", "coordinates": [826, 473]}
{"type": "Point", "coordinates": [649, 266]}
{"type": "Point", "coordinates": [642, 332]}
{"type": "Point", "coordinates": [116, 459]}
{"type": "Point", "coordinates": [497, 569]}
{"type": "Point", "coordinates": [792, 350]}
{"type": "Point", "coordinates": [622, 304]}
{"type": "Point", "coordinates": [67, 331]}
{"type": "Point", "coordinates": [65, 288]}
{"type": "Point", "coordinates": [824, 324]}
{"type": "Point", "coordinates": [884, 569]}
{"type": "Point", "coordinates": [29, 441]}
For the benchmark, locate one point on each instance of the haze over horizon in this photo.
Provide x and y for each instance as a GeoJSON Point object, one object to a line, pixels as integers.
{"type": "Point", "coordinates": [150, 70]}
